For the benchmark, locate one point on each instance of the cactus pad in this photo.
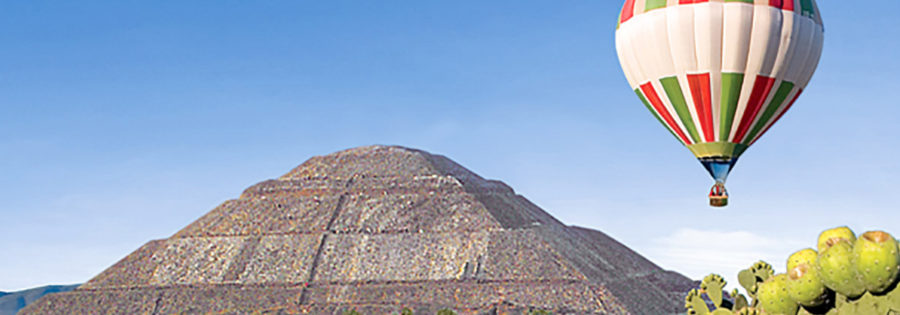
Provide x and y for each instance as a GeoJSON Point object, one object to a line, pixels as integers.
{"type": "Point", "coordinates": [713, 285]}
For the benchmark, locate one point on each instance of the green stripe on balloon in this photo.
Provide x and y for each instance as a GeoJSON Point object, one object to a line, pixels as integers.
{"type": "Point", "coordinates": [673, 91]}
{"type": "Point", "coordinates": [780, 96]}
{"type": "Point", "coordinates": [807, 8]}
{"type": "Point", "coordinates": [654, 4]}
{"type": "Point", "coordinates": [650, 108]}
{"type": "Point", "coordinates": [731, 93]}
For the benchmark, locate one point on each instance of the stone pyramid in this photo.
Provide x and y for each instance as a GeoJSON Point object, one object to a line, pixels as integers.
{"type": "Point", "coordinates": [376, 229]}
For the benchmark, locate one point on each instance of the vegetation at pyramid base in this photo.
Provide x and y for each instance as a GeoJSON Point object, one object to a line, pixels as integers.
{"type": "Point", "coordinates": [847, 275]}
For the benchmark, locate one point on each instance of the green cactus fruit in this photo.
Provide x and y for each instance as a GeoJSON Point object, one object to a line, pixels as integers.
{"type": "Point", "coordinates": [837, 270]}
{"type": "Point", "coordinates": [773, 296]}
{"type": "Point", "coordinates": [830, 236]}
{"type": "Point", "coordinates": [804, 285]}
{"type": "Point", "coordinates": [748, 311]}
{"type": "Point", "coordinates": [804, 256]}
{"type": "Point", "coordinates": [877, 260]}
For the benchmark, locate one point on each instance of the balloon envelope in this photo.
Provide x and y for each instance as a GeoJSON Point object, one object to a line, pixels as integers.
{"type": "Point", "coordinates": [719, 74]}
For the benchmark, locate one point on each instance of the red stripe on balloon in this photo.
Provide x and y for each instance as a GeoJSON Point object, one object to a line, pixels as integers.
{"type": "Point", "coordinates": [778, 117]}
{"type": "Point", "coordinates": [788, 5]}
{"type": "Point", "coordinates": [699, 84]}
{"type": "Point", "coordinates": [758, 95]}
{"type": "Point", "coordinates": [627, 10]}
{"type": "Point", "coordinates": [650, 92]}
{"type": "Point", "coordinates": [782, 4]}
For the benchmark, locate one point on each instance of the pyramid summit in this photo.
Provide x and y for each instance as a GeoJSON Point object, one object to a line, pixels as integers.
{"type": "Point", "coordinates": [377, 229]}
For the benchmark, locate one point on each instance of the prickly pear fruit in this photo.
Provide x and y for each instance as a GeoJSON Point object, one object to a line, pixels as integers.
{"type": "Point", "coordinates": [803, 256]}
{"type": "Point", "coordinates": [804, 285]}
{"type": "Point", "coordinates": [773, 296]}
{"type": "Point", "coordinates": [836, 268]}
{"type": "Point", "coordinates": [830, 236]}
{"type": "Point", "coordinates": [748, 311]}
{"type": "Point", "coordinates": [877, 260]}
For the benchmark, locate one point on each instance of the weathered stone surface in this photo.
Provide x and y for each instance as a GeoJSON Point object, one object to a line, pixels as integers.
{"type": "Point", "coordinates": [366, 162]}
{"type": "Point", "coordinates": [473, 295]}
{"type": "Point", "coordinates": [523, 255]}
{"type": "Point", "coordinates": [377, 229]}
{"type": "Point", "coordinates": [81, 301]}
{"type": "Point", "coordinates": [266, 214]}
{"type": "Point", "coordinates": [280, 259]}
{"type": "Point", "coordinates": [136, 269]}
{"type": "Point", "coordinates": [195, 260]}
{"type": "Point", "coordinates": [227, 299]}
{"type": "Point", "coordinates": [438, 212]}
{"type": "Point", "coordinates": [399, 257]}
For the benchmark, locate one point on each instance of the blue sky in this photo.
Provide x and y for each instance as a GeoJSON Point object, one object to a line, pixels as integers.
{"type": "Point", "coordinates": [121, 122]}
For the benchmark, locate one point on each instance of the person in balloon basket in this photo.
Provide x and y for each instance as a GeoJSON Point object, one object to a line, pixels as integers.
{"type": "Point", "coordinates": [718, 196]}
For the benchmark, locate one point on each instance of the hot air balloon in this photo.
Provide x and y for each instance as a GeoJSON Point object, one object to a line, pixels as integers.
{"type": "Point", "coordinates": [719, 73]}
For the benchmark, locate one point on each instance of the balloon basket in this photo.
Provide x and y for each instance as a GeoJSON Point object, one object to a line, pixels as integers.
{"type": "Point", "coordinates": [718, 196]}
{"type": "Point", "coordinates": [718, 201]}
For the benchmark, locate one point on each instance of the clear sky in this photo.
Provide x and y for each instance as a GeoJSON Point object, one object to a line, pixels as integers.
{"type": "Point", "coordinates": [123, 121]}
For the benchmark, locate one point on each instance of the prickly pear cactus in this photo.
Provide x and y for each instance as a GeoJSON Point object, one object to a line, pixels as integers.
{"type": "Point", "coordinates": [830, 236]}
{"type": "Point", "coordinates": [756, 274]}
{"type": "Point", "coordinates": [712, 288]}
{"type": "Point", "coordinates": [804, 284]}
{"type": "Point", "coordinates": [847, 276]}
{"type": "Point", "coordinates": [877, 259]}
{"type": "Point", "coordinates": [749, 311]}
{"type": "Point", "coordinates": [774, 298]}
{"type": "Point", "coordinates": [804, 256]}
{"type": "Point", "coordinates": [836, 267]}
